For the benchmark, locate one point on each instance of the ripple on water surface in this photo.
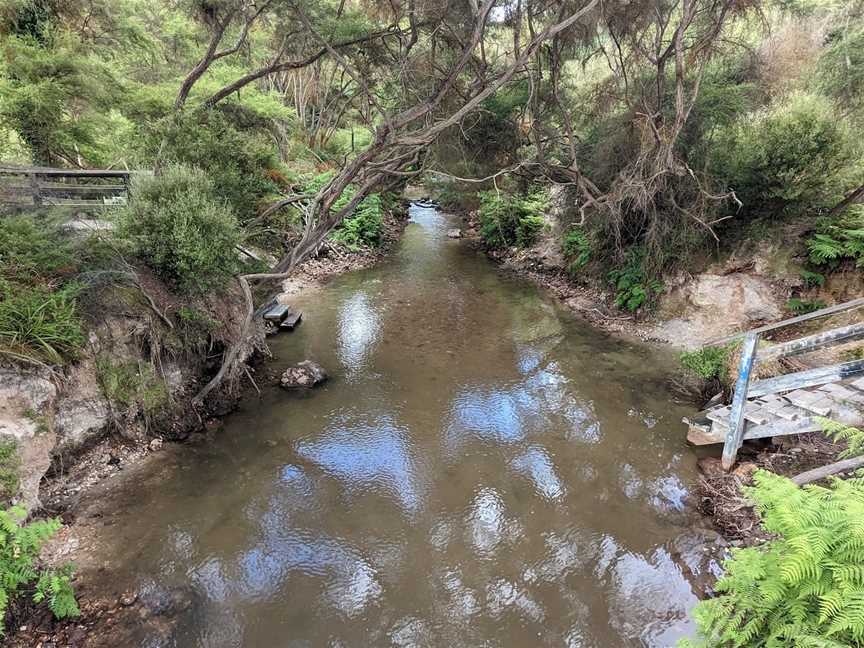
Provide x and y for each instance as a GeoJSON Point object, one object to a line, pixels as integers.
{"type": "Point", "coordinates": [481, 470]}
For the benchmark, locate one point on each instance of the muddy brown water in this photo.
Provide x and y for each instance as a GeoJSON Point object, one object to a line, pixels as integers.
{"type": "Point", "coordinates": [483, 469]}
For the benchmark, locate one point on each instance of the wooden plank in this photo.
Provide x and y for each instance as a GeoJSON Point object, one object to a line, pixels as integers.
{"type": "Point", "coordinates": [736, 417]}
{"type": "Point", "coordinates": [721, 414]}
{"type": "Point", "coordinates": [842, 393]}
{"type": "Point", "coordinates": [790, 413]}
{"type": "Point", "coordinates": [756, 414]}
{"type": "Point", "coordinates": [292, 320]}
{"type": "Point", "coordinates": [80, 188]}
{"type": "Point", "coordinates": [71, 173]}
{"type": "Point", "coordinates": [823, 312]}
{"type": "Point", "coordinates": [809, 378]}
{"type": "Point", "coordinates": [34, 185]}
{"type": "Point", "coordinates": [806, 344]}
{"type": "Point", "coordinates": [277, 313]}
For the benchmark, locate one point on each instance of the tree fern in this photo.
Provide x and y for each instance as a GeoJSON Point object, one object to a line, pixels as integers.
{"type": "Point", "coordinates": [805, 589]}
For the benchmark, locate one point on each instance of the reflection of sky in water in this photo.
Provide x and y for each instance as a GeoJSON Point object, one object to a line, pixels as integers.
{"type": "Point", "coordinates": [261, 571]}
{"type": "Point", "coordinates": [507, 415]}
{"type": "Point", "coordinates": [537, 466]}
{"type": "Point", "coordinates": [366, 453]}
{"type": "Point", "coordinates": [358, 331]}
{"type": "Point", "coordinates": [486, 521]}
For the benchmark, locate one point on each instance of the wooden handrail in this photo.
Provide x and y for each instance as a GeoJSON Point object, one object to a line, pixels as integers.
{"type": "Point", "coordinates": [822, 312]}
{"type": "Point", "coordinates": [72, 173]}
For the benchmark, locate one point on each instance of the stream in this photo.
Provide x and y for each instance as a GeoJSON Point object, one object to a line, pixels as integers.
{"type": "Point", "coordinates": [482, 469]}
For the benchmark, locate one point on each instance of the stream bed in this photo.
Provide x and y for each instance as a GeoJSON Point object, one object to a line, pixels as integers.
{"type": "Point", "coordinates": [482, 469]}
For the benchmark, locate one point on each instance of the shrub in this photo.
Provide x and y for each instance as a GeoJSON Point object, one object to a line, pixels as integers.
{"type": "Point", "coordinates": [512, 219]}
{"type": "Point", "coordinates": [576, 247]}
{"type": "Point", "coordinates": [238, 162]}
{"type": "Point", "coordinates": [708, 362]}
{"type": "Point", "coordinates": [633, 287]}
{"type": "Point", "coordinates": [803, 306]}
{"type": "Point", "coordinates": [840, 70]}
{"type": "Point", "coordinates": [181, 229]}
{"type": "Point", "coordinates": [19, 551]}
{"type": "Point", "coordinates": [804, 588]}
{"type": "Point", "coordinates": [32, 250]}
{"type": "Point", "coordinates": [37, 324]}
{"type": "Point", "coordinates": [10, 462]}
{"type": "Point", "coordinates": [364, 226]}
{"type": "Point", "coordinates": [812, 279]}
{"type": "Point", "coordinates": [786, 158]}
{"type": "Point", "coordinates": [838, 239]}
{"type": "Point", "coordinates": [132, 384]}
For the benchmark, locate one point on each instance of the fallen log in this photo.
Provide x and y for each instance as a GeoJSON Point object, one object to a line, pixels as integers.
{"type": "Point", "coordinates": [826, 471]}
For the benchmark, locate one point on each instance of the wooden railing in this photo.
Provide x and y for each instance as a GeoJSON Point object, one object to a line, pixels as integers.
{"type": "Point", "coordinates": [25, 187]}
{"type": "Point", "coordinates": [744, 389]}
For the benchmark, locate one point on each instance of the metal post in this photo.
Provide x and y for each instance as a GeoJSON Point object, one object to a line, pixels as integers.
{"type": "Point", "coordinates": [736, 417]}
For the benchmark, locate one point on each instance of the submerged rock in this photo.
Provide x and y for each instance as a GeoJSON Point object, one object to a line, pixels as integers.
{"type": "Point", "coordinates": [306, 374]}
{"type": "Point", "coordinates": [454, 233]}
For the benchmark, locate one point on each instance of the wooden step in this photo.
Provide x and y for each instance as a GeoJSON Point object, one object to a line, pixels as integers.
{"type": "Point", "coordinates": [815, 402]}
{"type": "Point", "coordinates": [291, 320]}
{"type": "Point", "coordinates": [277, 313]}
{"type": "Point", "coordinates": [843, 394]}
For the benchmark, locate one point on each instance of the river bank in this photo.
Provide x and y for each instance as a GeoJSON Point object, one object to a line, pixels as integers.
{"type": "Point", "coordinates": [748, 288]}
{"type": "Point", "coordinates": [85, 474]}
{"type": "Point", "coordinates": [463, 424]}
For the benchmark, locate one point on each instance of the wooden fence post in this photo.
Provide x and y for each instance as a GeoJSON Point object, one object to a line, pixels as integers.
{"type": "Point", "coordinates": [736, 416]}
{"type": "Point", "coordinates": [37, 192]}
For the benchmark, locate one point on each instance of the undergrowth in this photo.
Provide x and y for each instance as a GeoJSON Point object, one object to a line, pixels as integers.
{"type": "Point", "coordinates": [508, 219]}
{"type": "Point", "coordinates": [633, 287]}
{"type": "Point", "coordinates": [19, 572]}
{"type": "Point", "coordinates": [805, 588]}
{"type": "Point", "coordinates": [132, 384]}
{"type": "Point", "coordinates": [708, 362]}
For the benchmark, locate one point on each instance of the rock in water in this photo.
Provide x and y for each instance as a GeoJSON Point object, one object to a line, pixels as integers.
{"type": "Point", "coordinates": [306, 374]}
{"type": "Point", "coordinates": [454, 233]}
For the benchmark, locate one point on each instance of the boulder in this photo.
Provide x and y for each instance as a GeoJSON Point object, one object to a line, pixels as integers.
{"type": "Point", "coordinates": [305, 374]}
{"type": "Point", "coordinates": [454, 233]}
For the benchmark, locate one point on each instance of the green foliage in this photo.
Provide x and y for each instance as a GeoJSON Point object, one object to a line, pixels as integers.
{"type": "Point", "coordinates": [10, 462]}
{"type": "Point", "coordinates": [707, 362]}
{"type": "Point", "coordinates": [31, 249]}
{"type": "Point", "coordinates": [576, 247]}
{"type": "Point", "coordinates": [633, 287]}
{"type": "Point", "coordinates": [792, 156]}
{"type": "Point", "coordinates": [19, 551]}
{"type": "Point", "coordinates": [838, 239]}
{"type": "Point", "coordinates": [804, 588]}
{"type": "Point", "coordinates": [364, 226]}
{"type": "Point", "coordinates": [853, 437]}
{"type": "Point", "coordinates": [54, 95]}
{"type": "Point", "coordinates": [840, 70]}
{"type": "Point", "coordinates": [38, 324]}
{"type": "Point", "coordinates": [812, 279]}
{"type": "Point", "coordinates": [132, 383]}
{"type": "Point", "coordinates": [178, 225]}
{"type": "Point", "coordinates": [803, 306]}
{"type": "Point", "coordinates": [508, 219]}
{"type": "Point", "coordinates": [237, 161]}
